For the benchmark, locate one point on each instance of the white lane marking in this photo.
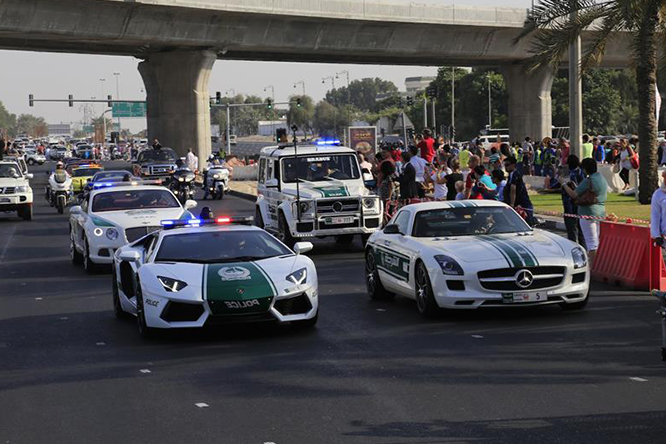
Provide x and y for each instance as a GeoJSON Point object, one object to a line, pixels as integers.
{"type": "Point", "coordinates": [64, 318]}
{"type": "Point", "coordinates": [637, 379]}
{"type": "Point", "coordinates": [380, 309]}
{"type": "Point", "coordinates": [38, 299]}
{"type": "Point", "coordinates": [9, 240]}
{"type": "Point", "coordinates": [269, 442]}
{"type": "Point", "coordinates": [100, 343]}
{"type": "Point", "coordinates": [477, 336]}
{"type": "Point", "coordinates": [23, 284]}
{"type": "Point", "coordinates": [144, 370]}
{"type": "Point", "coordinates": [201, 405]}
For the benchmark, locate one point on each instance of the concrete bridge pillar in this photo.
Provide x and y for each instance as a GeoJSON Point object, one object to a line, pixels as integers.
{"type": "Point", "coordinates": [177, 100]}
{"type": "Point", "coordinates": [530, 105]}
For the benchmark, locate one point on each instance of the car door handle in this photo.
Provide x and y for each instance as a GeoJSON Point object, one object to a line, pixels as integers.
{"type": "Point", "coordinates": [387, 243]}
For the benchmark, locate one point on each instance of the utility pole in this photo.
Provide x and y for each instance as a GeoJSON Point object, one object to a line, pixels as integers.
{"type": "Point", "coordinates": [434, 119]}
{"type": "Point", "coordinates": [404, 130]}
{"type": "Point", "coordinates": [575, 96]}
{"type": "Point", "coordinates": [272, 110]}
{"type": "Point", "coordinates": [490, 106]}
{"type": "Point", "coordinates": [117, 76]}
{"type": "Point", "coordinates": [337, 75]}
{"type": "Point", "coordinates": [425, 110]}
{"type": "Point", "coordinates": [453, 102]}
{"type": "Point", "coordinates": [302, 83]}
{"type": "Point", "coordinates": [228, 131]}
{"type": "Point", "coordinates": [335, 114]}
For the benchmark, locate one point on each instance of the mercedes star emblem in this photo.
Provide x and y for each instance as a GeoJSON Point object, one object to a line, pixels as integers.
{"type": "Point", "coordinates": [524, 278]}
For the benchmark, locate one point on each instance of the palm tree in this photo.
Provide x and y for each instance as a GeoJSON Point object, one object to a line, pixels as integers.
{"type": "Point", "coordinates": [556, 24]}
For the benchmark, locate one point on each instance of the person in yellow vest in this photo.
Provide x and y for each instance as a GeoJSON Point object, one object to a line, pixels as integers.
{"type": "Point", "coordinates": [587, 148]}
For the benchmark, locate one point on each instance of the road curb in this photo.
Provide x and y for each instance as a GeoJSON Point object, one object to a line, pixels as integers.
{"type": "Point", "coordinates": [242, 195]}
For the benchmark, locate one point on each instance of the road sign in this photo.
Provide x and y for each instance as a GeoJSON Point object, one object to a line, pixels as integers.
{"type": "Point", "coordinates": [129, 109]}
{"type": "Point", "coordinates": [88, 129]}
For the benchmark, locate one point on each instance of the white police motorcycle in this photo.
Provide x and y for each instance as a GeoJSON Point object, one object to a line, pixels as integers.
{"type": "Point", "coordinates": [59, 190]}
{"type": "Point", "coordinates": [217, 182]}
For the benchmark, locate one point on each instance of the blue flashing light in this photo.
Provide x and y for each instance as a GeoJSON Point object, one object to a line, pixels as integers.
{"type": "Point", "coordinates": [328, 142]}
{"type": "Point", "coordinates": [194, 223]}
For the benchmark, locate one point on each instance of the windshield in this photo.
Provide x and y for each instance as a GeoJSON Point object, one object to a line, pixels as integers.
{"type": "Point", "coordinates": [84, 172]}
{"type": "Point", "coordinates": [133, 200]}
{"type": "Point", "coordinates": [220, 247]}
{"type": "Point", "coordinates": [467, 221]}
{"type": "Point", "coordinates": [10, 170]}
{"type": "Point", "coordinates": [161, 155]}
{"type": "Point", "coordinates": [320, 167]}
{"type": "Point", "coordinates": [108, 175]}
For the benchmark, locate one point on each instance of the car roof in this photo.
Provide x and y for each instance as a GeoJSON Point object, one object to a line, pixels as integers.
{"type": "Point", "coordinates": [128, 188]}
{"type": "Point", "coordinates": [210, 228]}
{"type": "Point", "coordinates": [305, 149]}
{"type": "Point", "coordinates": [455, 204]}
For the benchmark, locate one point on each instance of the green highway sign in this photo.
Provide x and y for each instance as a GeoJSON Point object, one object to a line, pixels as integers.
{"type": "Point", "coordinates": [129, 109]}
{"type": "Point", "coordinates": [88, 129]}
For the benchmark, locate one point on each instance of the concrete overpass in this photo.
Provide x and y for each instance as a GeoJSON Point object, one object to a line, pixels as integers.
{"type": "Point", "coordinates": [179, 41]}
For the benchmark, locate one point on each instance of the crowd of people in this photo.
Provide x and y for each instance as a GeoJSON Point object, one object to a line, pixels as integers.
{"type": "Point", "coordinates": [431, 168]}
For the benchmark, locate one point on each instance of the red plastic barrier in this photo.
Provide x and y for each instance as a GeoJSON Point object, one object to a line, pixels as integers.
{"type": "Point", "coordinates": [627, 257]}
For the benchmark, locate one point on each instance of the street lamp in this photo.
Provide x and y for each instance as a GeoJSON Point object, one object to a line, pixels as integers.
{"type": "Point", "coordinates": [233, 92]}
{"type": "Point", "coordinates": [117, 76]}
{"type": "Point", "coordinates": [335, 113]}
{"type": "Point", "coordinates": [302, 83]}
{"type": "Point", "coordinates": [272, 88]}
{"type": "Point", "coordinates": [490, 105]}
{"type": "Point", "coordinates": [337, 76]}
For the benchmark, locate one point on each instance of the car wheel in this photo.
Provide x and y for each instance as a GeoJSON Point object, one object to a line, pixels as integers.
{"type": "Point", "coordinates": [31, 162]}
{"type": "Point", "coordinates": [344, 239]}
{"type": "Point", "coordinates": [307, 323]}
{"type": "Point", "coordinates": [144, 330]}
{"type": "Point", "coordinates": [258, 220]}
{"type": "Point", "coordinates": [373, 284]}
{"type": "Point", "coordinates": [88, 264]}
{"type": "Point", "coordinates": [77, 258]}
{"type": "Point", "coordinates": [284, 233]}
{"type": "Point", "coordinates": [577, 305]}
{"type": "Point", "coordinates": [117, 308]}
{"type": "Point", "coordinates": [425, 299]}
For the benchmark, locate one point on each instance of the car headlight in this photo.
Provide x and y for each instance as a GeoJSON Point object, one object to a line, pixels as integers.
{"type": "Point", "coordinates": [298, 277]}
{"type": "Point", "coordinates": [111, 233]}
{"type": "Point", "coordinates": [23, 189]}
{"type": "Point", "coordinates": [369, 203]}
{"type": "Point", "coordinates": [171, 285]}
{"type": "Point", "coordinates": [579, 258]}
{"type": "Point", "coordinates": [449, 265]}
{"type": "Point", "coordinates": [306, 206]}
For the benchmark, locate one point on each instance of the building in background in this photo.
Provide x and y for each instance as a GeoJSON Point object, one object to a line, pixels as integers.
{"type": "Point", "coordinates": [60, 129]}
{"type": "Point", "coordinates": [416, 84]}
{"type": "Point", "coordinates": [269, 127]}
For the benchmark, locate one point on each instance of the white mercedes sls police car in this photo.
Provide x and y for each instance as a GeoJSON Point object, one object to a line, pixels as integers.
{"type": "Point", "coordinates": [205, 272]}
{"type": "Point", "coordinates": [113, 215]}
{"type": "Point", "coordinates": [472, 254]}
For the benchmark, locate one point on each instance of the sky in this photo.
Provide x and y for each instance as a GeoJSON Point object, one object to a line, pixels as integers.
{"type": "Point", "coordinates": [55, 75]}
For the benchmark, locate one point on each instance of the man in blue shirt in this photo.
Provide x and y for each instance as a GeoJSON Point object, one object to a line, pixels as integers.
{"type": "Point", "coordinates": [515, 192]}
{"type": "Point", "coordinates": [572, 224]}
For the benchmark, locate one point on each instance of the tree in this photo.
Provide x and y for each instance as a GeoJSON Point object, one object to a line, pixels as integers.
{"type": "Point", "coordinates": [29, 124]}
{"type": "Point", "coordinates": [328, 119]}
{"type": "Point", "coordinates": [7, 121]}
{"type": "Point", "coordinates": [556, 24]}
{"type": "Point", "coordinates": [363, 94]}
{"type": "Point", "coordinates": [301, 116]}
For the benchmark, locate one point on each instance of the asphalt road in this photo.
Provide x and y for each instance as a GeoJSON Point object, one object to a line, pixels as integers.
{"type": "Point", "coordinates": [369, 373]}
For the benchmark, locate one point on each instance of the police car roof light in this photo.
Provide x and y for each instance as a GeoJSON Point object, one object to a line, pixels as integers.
{"type": "Point", "coordinates": [328, 142]}
{"type": "Point", "coordinates": [236, 220]}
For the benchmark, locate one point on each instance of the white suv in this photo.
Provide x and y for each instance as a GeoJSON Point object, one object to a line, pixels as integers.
{"type": "Point", "coordinates": [314, 191]}
{"type": "Point", "coordinates": [15, 191]}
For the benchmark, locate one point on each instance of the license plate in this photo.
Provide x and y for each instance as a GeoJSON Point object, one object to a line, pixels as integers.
{"type": "Point", "coordinates": [5, 199]}
{"type": "Point", "coordinates": [339, 220]}
{"type": "Point", "coordinates": [517, 298]}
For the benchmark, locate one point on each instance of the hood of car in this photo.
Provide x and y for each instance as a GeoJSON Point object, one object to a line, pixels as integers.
{"type": "Point", "coordinates": [9, 182]}
{"type": "Point", "coordinates": [510, 250]}
{"type": "Point", "coordinates": [138, 218]}
{"type": "Point", "coordinates": [327, 190]}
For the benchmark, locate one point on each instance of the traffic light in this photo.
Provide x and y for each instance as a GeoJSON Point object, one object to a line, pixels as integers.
{"type": "Point", "coordinates": [281, 135]}
{"type": "Point", "coordinates": [410, 132]}
{"type": "Point", "coordinates": [31, 100]}
{"type": "Point", "coordinates": [453, 132]}
{"type": "Point", "coordinates": [218, 98]}
{"type": "Point", "coordinates": [431, 91]}
{"type": "Point", "coordinates": [383, 132]}
{"type": "Point", "coordinates": [410, 101]}
{"type": "Point", "coordinates": [109, 101]}
{"type": "Point", "coordinates": [71, 100]}
{"type": "Point", "coordinates": [299, 102]}
{"type": "Point", "coordinates": [269, 104]}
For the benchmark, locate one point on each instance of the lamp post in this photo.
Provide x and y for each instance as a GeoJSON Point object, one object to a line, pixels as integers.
{"type": "Point", "coordinates": [103, 119]}
{"type": "Point", "coordinates": [490, 105]}
{"type": "Point", "coordinates": [302, 83]}
{"type": "Point", "coordinates": [337, 76]}
{"type": "Point", "coordinates": [233, 92]}
{"type": "Point", "coordinates": [117, 76]}
{"type": "Point", "coordinates": [335, 112]}
{"type": "Point", "coordinates": [453, 102]}
{"type": "Point", "coordinates": [272, 88]}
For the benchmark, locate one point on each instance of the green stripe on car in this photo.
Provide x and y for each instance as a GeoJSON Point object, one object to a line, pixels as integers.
{"type": "Point", "coordinates": [237, 288]}
{"type": "Point", "coordinates": [333, 191]}
{"type": "Point", "coordinates": [395, 264]}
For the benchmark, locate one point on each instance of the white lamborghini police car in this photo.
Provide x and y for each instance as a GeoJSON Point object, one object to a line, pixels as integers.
{"type": "Point", "coordinates": [472, 254]}
{"type": "Point", "coordinates": [114, 214]}
{"type": "Point", "coordinates": [197, 272]}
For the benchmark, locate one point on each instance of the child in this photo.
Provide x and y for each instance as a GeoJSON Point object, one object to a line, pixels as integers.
{"type": "Point", "coordinates": [460, 188]}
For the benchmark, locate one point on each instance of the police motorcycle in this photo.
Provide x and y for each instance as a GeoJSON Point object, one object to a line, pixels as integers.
{"type": "Point", "coordinates": [59, 190]}
{"type": "Point", "coordinates": [182, 182]}
{"type": "Point", "coordinates": [216, 179]}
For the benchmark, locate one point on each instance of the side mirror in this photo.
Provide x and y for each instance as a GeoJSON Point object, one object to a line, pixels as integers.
{"type": "Point", "coordinates": [271, 183]}
{"type": "Point", "coordinates": [303, 247]}
{"type": "Point", "coordinates": [189, 204]}
{"type": "Point", "coordinates": [130, 255]}
{"type": "Point", "coordinates": [392, 229]}
{"type": "Point", "coordinates": [76, 210]}
{"type": "Point", "coordinates": [29, 176]}
{"type": "Point", "coordinates": [538, 222]}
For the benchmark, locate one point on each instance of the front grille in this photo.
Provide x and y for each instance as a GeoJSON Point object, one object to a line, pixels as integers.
{"type": "Point", "coordinates": [304, 227]}
{"type": "Point", "coordinates": [372, 223]}
{"type": "Point", "coordinates": [324, 226]}
{"type": "Point", "coordinates": [179, 312]}
{"type": "Point", "coordinates": [8, 190]}
{"type": "Point", "coordinates": [135, 233]}
{"type": "Point", "coordinates": [161, 169]}
{"type": "Point", "coordinates": [337, 206]}
{"type": "Point", "coordinates": [502, 279]}
{"type": "Point", "coordinates": [298, 305]}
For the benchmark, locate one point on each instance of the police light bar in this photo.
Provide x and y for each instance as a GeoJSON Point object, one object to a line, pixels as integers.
{"type": "Point", "coordinates": [121, 183]}
{"type": "Point", "coordinates": [328, 142]}
{"type": "Point", "coordinates": [225, 220]}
